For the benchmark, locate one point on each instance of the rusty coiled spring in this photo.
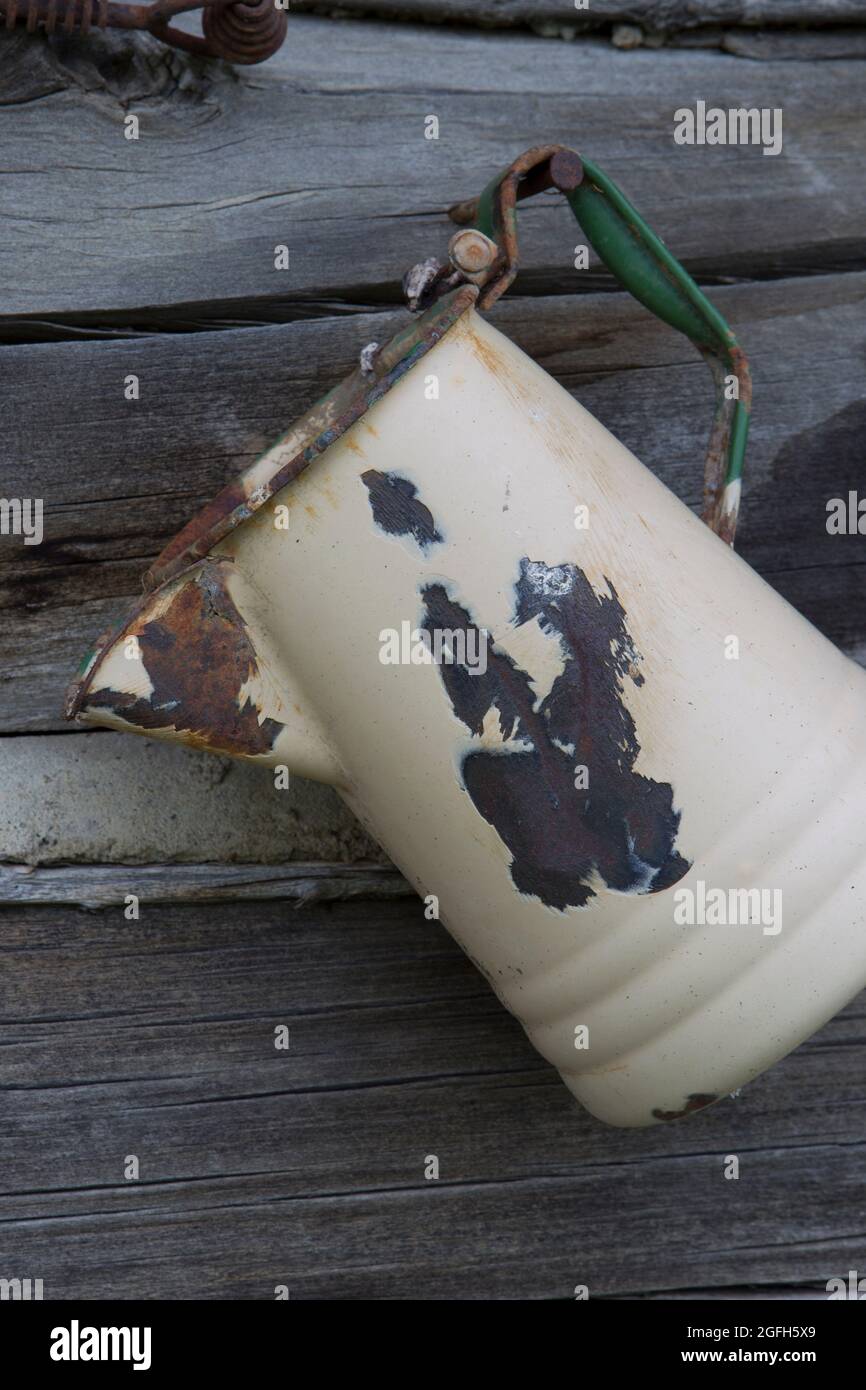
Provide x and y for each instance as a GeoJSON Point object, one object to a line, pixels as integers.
{"type": "Point", "coordinates": [240, 31]}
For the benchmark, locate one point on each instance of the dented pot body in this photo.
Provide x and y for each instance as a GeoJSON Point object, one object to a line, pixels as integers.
{"type": "Point", "coordinates": [612, 752]}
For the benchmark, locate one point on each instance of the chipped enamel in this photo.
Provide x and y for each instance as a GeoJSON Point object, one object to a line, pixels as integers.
{"type": "Point", "coordinates": [762, 756]}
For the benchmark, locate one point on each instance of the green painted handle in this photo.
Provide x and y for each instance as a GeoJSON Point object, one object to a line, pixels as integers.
{"type": "Point", "coordinates": [646, 268]}
{"type": "Point", "coordinates": [642, 263]}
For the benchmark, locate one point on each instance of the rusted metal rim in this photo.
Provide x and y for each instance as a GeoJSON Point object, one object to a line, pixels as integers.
{"type": "Point", "coordinates": [309, 437]}
{"type": "Point", "coordinates": [79, 688]}
{"type": "Point", "coordinates": [306, 439]}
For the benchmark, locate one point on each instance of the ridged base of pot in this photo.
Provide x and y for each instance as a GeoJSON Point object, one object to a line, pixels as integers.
{"type": "Point", "coordinates": [706, 1047]}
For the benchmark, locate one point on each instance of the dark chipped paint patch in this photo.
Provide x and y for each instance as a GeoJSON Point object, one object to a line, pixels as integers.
{"type": "Point", "coordinates": [397, 508]}
{"type": "Point", "coordinates": [198, 657]}
{"type": "Point", "coordinates": [696, 1101]}
{"type": "Point", "coordinates": [623, 825]}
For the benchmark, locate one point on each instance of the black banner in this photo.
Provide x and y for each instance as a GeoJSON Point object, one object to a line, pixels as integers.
{"type": "Point", "coordinates": [219, 1338]}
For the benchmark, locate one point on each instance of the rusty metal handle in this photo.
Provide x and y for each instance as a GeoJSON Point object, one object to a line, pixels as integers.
{"type": "Point", "coordinates": [234, 30]}
{"type": "Point", "coordinates": [647, 269]}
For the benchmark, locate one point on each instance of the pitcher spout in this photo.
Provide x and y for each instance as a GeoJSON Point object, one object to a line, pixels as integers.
{"type": "Point", "coordinates": [190, 664]}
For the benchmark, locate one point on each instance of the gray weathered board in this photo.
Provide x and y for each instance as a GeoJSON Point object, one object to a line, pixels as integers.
{"type": "Point", "coordinates": [665, 17]}
{"type": "Point", "coordinates": [323, 149]}
{"type": "Point", "coordinates": [261, 1167]}
{"type": "Point", "coordinates": [305, 1167]}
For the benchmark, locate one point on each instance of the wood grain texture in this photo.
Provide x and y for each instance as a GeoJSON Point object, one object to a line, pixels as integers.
{"type": "Point", "coordinates": [323, 150]}
{"type": "Point", "coordinates": [261, 1167]}
{"type": "Point", "coordinates": [563, 17]}
{"type": "Point", "coordinates": [211, 401]}
{"type": "Point", "coordinates": [774, 45]}
{"type": "Point", "coordinates": [107, 885]}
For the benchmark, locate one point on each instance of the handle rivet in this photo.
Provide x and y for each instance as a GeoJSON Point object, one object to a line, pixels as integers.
{"type": "Point", "coordinates": [471, 252]}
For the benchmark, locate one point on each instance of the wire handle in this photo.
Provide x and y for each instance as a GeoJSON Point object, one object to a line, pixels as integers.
{"type": "Point", "coordinates": [239, 31]}
{"type": "Point", "coordinates": [646, 268]}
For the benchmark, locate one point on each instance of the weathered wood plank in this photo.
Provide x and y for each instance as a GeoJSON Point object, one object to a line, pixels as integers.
{"type": "Point", "coordinates": [107, 885]}
{"type": "Point", "coordinates": [623, 1230]}
{"type": "Point", "coordinates": [784, 1293]}
{"type": "Point", "coordinates": [261, 1167]}
{"type": "Point", "coordinates": [564, 17]}
{"type": "Point", "coordinates": [185, 219]}
{"type": "Point", "coordinates": [210, 402]}
{"type": "Point", "coordinates": [103, 798]}
{"type": "Point", "coordinates": [773, 45]}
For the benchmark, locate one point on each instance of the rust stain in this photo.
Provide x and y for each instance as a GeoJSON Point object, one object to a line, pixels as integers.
{"type": "Point", "coordinates": [311, 511]}
{"type": "Point", "coordinates": [198, 657]}
{"type": "Point", "coordinates": [261, 520]}
{"type": "Point", "coordinates": [491, 359]}
{"type": "Point", "coordinates": [726, 527]}
{"type": "Point", "coordinates": [310, 437]}
{"type": "Point", "coordinates": [622, 824]}
{"type": "Point", "coordinates": [543, 166]}
{"type": "Point", "coordinates": [354, 446]}
{"type": "Point", "coordinates": [696, 1101]}
{"type": "Point", "coordinates": [557, 429]}
{"type": "Point", "coordinates": [232, 499]}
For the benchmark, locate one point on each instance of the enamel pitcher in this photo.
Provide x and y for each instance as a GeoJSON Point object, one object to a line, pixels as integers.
{"type": "Point", "coordinates": [626, 771]}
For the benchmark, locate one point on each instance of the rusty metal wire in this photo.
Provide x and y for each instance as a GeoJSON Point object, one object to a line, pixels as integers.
{"type": "Point", "coordinates": [238, 31]}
